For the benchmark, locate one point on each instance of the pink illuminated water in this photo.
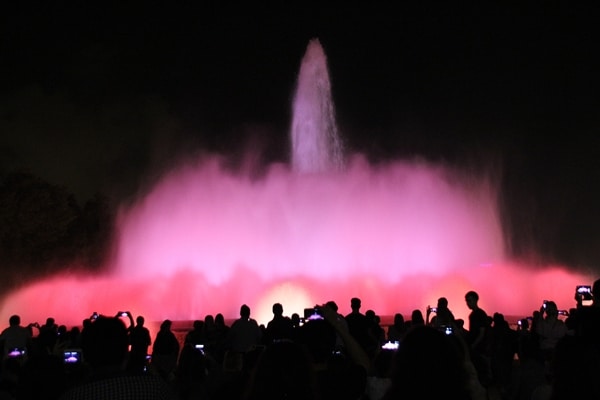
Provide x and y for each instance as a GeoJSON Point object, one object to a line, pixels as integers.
{"type": "Point", "coordinates": [205, 239]}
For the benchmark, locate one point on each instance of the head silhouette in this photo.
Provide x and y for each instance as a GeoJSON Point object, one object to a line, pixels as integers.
{"type": "Point", "coordinates": [245, 311]}
{"type": "Point", "coordinates": [442, 302]}
{"type": "Point", "coordinates": [355, 304]}
{"type": "Point", "coordinates": [107, 343]}
{"type": "Point", "coordinates": [14, 320]}
{"type": "Point", "coordinates": [277, 309]}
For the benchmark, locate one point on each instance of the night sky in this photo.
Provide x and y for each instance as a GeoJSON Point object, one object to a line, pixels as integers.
{"type": "Point", "coordinates": [102, 96]}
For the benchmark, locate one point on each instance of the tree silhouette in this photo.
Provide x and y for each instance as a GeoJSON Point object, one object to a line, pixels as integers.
{"type": "Point", "coordinates": [43, 229]}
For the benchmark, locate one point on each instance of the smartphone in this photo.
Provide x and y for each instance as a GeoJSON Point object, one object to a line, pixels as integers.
{"type": "Point", "coordinates": [199, 347]}
{"type": "Point", "coordinates": [584, 294]}
{"type": "Point", "coordinates": [312, 313]}
{"type": "Point", "coordinates": [72, 356]}
{"type": "Point", "coordinates": [583, 289]}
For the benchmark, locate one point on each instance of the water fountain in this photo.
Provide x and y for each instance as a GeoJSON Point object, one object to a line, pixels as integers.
{"type": "Point", "coordinates": [331, 226]}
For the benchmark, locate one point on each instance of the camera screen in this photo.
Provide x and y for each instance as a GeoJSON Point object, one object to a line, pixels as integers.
{"type": "Point", "coordinates": [390, 345]}
{"type": "Point", "coordinates": [584, 289]}
{"type": "Point", "coordinates": [16, 352]}
{"type": "Point", "coordinates": [312, 314]}
{"type": "Point", "coordinates": [72, 356]}
{"type": "Point", "coordinates": [584, 293]}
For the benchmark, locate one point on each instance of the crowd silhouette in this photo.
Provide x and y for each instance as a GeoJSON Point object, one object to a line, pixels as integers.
{"type": "Point", "coordinates": [551, 354]}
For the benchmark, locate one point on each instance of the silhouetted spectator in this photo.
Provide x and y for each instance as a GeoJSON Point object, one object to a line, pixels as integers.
{"type": "Point", "coordinates": [339, 342]}
{"type": "Point", "coordinates": [196, 334]}
{"type": "Point", "coordinates": [416, 318]}
{"type": "Point", "coordinates": [283, 371]}
{"type": "Point", "coordinates": [106, 351]}
{"type": "Point", "coordinates": [477, 338]}
{"type": "Point", "coordinates": [443, 316]}
{"type": "Point", "coordinates": [244, 333]}
{"type": "Point", "coordinates": [165, 352]}
{"type": "Point", "coordinates": [397, 330]}
{"type": "Point", "coordinates": [280, 327]}
{"type": "Point", "coordinates": [48, 335]}
{"type": "Point", "coordinates": [75, 337]}
{"type": "Point", "coordinates": [529, 372]}
{"type": "Point", "coordinates": [16, 336]}
{"type": "Point", "coordinates": [211, 334]}
{"type": "Point", "coordinates": [379, 379]}
{"type": "Point", "coordinates": [376, 333]}
{"type": "Point", "coordinates": [217, 350]}
{"type": "Point", "coordinates": [575, 370]}
{"type": "Point", "coordinates": [358, 324]}
{"type": "Point", "coordinates": [191, 373]}
{"type": "Point", "coordinates": [341, 376]}
{"type": "Point", "coordinates": [549, 329]}
{"type": "Point", "coordinates": [295, 320]}
{"type": "Point", "coordinates": [139, 341]}
{"type": "Point", "coordinates": [503, 346]}
{"type": "Point", "coordinates": [431, 363]}
{"type": "Point", "coordinates": [42, 377]}
{"type": "Point", "coordinates": [585, 320]}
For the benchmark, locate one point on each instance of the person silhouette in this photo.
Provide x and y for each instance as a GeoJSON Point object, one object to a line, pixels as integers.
{"type": "Point", "coordinates": [585, 320]}
{"type": "Point", "coordinates": [48, 335]}
{"type": "Point", "coordinates": [443, 316]}
{"type": "Point", "coordinates": [358, 325]}
{"type": "Point", "coordinates": [217, 350]}
{"type": "Point", "coordinates": [106, 351]}
{"type": "Point", "coordinates": [280, 327]}
{"type": "Point", "coordinates": [244, 333]}
{"type": "Point", "coordinates": [283, 371]}
{"type": "Point", "coordinates": [165, 351]}
{"type": "Point", "coordinates": [416, 318]}
{"type": "Point", "coordinates": [140, 341]}
{"type": "Point", "coordinates": [431, 361]}
{"type": "Point", "coordinates": [196, 334]}
{"type": "Point", "coordinates": [397, 330]}
{"type": "Point", "coordinates": [341, 321]}
{"type": "Point", "coordinates": [479, 324]}
{"type": "Point", "coordinates": [549, 328]}
{"type": "Point", "coordinates": [17, 337]}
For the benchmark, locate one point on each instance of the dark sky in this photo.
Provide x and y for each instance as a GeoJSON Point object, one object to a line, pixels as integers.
{"type": "Point", "coordinates": [98, 95]}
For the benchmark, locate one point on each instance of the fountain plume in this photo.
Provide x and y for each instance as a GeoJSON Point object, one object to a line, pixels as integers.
{"type": "Point", "coordinates": [316, 144]}
{"type": "Point", "coordinates": [205, 240]}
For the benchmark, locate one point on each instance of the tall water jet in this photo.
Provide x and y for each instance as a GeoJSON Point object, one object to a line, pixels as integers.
{"type": "Point", "coordinates": [316, 145]}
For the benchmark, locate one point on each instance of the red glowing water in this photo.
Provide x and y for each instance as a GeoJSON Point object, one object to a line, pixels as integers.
{"type": "Point", "coordinates": [205, 240]}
